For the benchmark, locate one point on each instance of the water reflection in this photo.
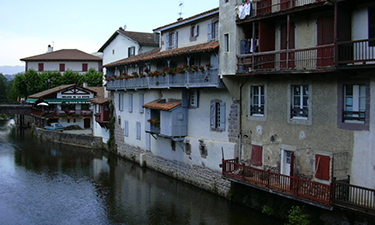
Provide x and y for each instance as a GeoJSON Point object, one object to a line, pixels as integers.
{"type": "Point", "coordinates": [49, 183]}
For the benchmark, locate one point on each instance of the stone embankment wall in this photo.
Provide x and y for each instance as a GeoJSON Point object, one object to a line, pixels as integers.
{"type": "Point", "coordinates": [198, 176]}
{"type": "Point", "coordinates": [68, 138]}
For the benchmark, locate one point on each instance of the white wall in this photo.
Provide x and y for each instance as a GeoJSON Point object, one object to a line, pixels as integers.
{"type": "Point", "coordinates": [55, 66]}
{"type": "Point", "coordinates": [120, 46]}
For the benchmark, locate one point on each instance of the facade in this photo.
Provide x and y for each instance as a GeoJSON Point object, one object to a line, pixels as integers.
{"type": "Point", "coordinates": [101, 109]}
{"type": "Point", "coordinates": [67, 104]}
{"type": "Point", "coordinates": [63, 60]}
{"type": "Point", "coordinates": [302, 71]}
{"type": "Point", "coordinates": [171, 104]}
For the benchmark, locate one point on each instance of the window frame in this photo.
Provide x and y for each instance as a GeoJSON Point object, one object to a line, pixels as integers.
{"type": "Point", "coordinates": [131, 51]}
{"type": "Point", "coordinates": [304, 120]}
{"type": "Point", "coordinates": [218, 115]}
{"type": "Point", "coordinates": [350, 125]}
{"type": "Point", "coordinates": [171, 40]}
{"type": "Point", "coordinates": [40, 67]}
{"type": "Point", "coordinates": [85, 67]}
{"type": "Point", "coordinates": [251, 102]}
{"type": "Point", "coordinates": [194, 32]}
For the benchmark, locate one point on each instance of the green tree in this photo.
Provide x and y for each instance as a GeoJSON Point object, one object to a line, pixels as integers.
{"type": "Point", "coordinates": [3, 84]}
{"type": "Point", "coordinates": [19, 88]}
{"type": "Point", "coordinates": [70, 77]}
{"type": "Point", "coordinates": [93, 78]}
{"type": "Point", "coordinates": [34, 82]}
{"type": "Point", "coordinates": [51, 79]}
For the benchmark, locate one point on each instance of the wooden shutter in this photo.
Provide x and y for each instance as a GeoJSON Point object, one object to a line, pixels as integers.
{"type": "Point", "coordinates": [209, 31]}
{"type": "Point", "coordinates": [213, 115]}
{"type": "Point", "coordinates": [84, 67]}
{"type": "Point", "coordinates": [40, 67]}
{"type": "Point", "coordinates": [322, 167]}
{"type": "Point", "coordinates": [175, 43]}
{"type": "Point", "coordinates": [256, 155]}
{"type": "Point", "coordinates": [126, 128]}
{"type": "Point", "coordinates": [130, 103]}
{"type": "Point", "coordinates": [138, 130]}
{"type": "Point", "coordinates": [141, 102]}
{"type": "Point", "coordinates": [167, 41]}
{"type": "Point", "coordinates": [62, 67]}
{"type": "Point", "coordinates": [222, 116]}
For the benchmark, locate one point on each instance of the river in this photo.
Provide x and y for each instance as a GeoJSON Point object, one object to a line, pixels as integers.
{"type": "Point", "coordinates": [50, 183]}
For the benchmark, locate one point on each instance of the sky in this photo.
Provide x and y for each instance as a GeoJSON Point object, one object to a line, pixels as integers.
{"type": "Point", "coordinates": [28, 27]}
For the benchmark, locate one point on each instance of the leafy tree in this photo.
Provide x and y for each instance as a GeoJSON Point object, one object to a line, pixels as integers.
{"type": "Point", "coordinates": [34, 82]}
{"type": "Point", "coordinates": [51, 79]}
{"type": "Point", "coordinates": [93, 78]}
{"type": "Point", "coordinates": [70, 77]}
{"type": "Point", "coordinates": [3, 83]}
{"type": "Point", "coordinates": [19, 86]}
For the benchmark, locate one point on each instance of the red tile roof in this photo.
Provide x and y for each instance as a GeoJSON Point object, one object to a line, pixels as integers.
{"type": "Point", "coordinates": [60, 88]}
{"type": "Point", "coordinates": [64, 54]}
{"type": "Point", "coordinates": [142, 38]}
{"type": "Point", "coordinates": [188, 19]}
{"type": "Point", "coordinates": [157, 54]}
{"type": "Point", "coordinates": [162, 104]}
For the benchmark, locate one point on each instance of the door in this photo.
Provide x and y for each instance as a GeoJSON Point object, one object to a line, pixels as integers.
{"type": "Point", "coordinates": [325, 37]}
{"type": "Point", "coordinates": [286, 162]}
{"type": "Point", "coordinates": [87, 123]}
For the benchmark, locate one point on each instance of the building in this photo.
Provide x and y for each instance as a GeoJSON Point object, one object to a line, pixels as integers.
{"type": "Point", "coordinates": [66, 104]}
{"type": "Point", "coordinates": [171, 108]}
{"type": "Point", "coordinates": [302, 71]}
{"type": "Point", "coordinates": [63, 60]}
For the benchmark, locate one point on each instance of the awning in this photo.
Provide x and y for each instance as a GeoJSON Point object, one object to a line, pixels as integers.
{"type": "Point", "coordinates": [61, 101]}
{"type": "Point", "coordinates": [162, 104]}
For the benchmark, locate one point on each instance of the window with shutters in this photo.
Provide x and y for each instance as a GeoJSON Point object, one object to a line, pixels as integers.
{"type": "Point", "coordinates": [322, 167]}
{"type": "Point", "coordinates": [138, 124]}
{"type": "Point", "coordinates": [194, 32]}
{"type": "Point", "coordinates": [121, 101]}
{"type": "Point", "coordinates": [213, 30]}
{"type": "Point", "coordinates": [256, 155]}
{"type": "Point", "coordinates": [300, 104]}
{"type": "Point", "coordinates": [217, 117]}
{"type": "Point", "coordinates": [130, 109]}
{"type": "Point", "coordinates": [131, 51]}
{"type": "Point", "coordinates": [126, 128]}
{"type": "Point", "coordinates": [171, 40]}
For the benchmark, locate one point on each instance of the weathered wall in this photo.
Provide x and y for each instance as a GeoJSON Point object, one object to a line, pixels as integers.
{"type": "Point", "coordinates": [67, 138]}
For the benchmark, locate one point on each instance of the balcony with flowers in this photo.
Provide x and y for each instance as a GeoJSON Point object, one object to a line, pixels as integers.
{"type": "Point", "coordinates": [181, 76]}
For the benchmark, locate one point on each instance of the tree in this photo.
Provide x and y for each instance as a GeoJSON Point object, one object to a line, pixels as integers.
{"type": "Point", "coordinates": [93, 78]}
{"type": "Point", "coordinates": [3, 84]}
{"type": "Point", "coordinates": [70, 77]}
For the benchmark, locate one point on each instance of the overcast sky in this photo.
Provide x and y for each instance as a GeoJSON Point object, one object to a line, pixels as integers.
{"type": "Point", "coordinates": [28, 27]}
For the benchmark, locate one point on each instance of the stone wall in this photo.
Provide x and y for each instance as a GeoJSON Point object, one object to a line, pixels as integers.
{"type": "Point", "coordinates": [198, 176]}
{"type": "Point", "coordinates": [67, 138]}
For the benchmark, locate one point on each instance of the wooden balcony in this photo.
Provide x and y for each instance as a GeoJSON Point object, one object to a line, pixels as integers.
{"type": "Point", "coordinates": [102, 119]}
{"type": "Point", "coordinates": [52, 114]}
{"type": "Point", "coordinates": [356, 54]}
{"type": "Point", "coordinates": [264, 7]}
{"type": "Point", "coordinates": [208, 78]}
{"type": "Point", "coordinates": [316, 59]}
{"type": "Point", "coordinates": [303, 190]}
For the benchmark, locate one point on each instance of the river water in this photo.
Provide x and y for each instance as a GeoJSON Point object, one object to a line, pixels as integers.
{"type": "Point", "coordinates": [50, 183]}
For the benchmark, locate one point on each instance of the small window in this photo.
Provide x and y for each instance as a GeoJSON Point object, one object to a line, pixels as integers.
{"type": "Point", "coordinates": [193, 98]}
{"type": "Point", "coordinates": [257, 100]}
{"type": "Point", "coordinates": [138, 130]}
{"type": "Point", "coordinates": [226, 42]}
{"type": "Point", "coordinates": [194, 32]}
{"type": "Point", "coordinates": [40, 67]}
{"type": "Point", "coordinates": [217, 118]}
{"type": "Point", "coordinates": [213, 30]}
{"type": "Point", "coordinates": [130, 103]}
{"type": "Point", "coordinates": [113, 51]}
{"type": "Point", "coordinates": [172, 40]}
{"type": "Point", "coordinates": [322, 167]}
{"type": "Point", "coordinates": [141, 102]}
{"type": "Point", "coordinates": [62, 67]}
{"type": "Point", "coordinates": [131, 51]}
{"type": "Point", "coordinates": [256, 155]}
{"type": "Point", "coordinates": [84, 67]}
{"type": "Point", "coordinates": [203, 149]}
{"type": "Point", "coordinates": [121, 101]}
{"type": "Point", "coordinates": [126, 128]}
{"type": "Point", "coordinates": [299, 105]}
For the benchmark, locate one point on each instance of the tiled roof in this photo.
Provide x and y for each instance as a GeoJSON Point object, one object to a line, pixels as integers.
{"type": "Point", "coordinates": [161, 104]}
{"type": "Point", "coordinates": [192, 18]}
{"type": "Point", "coordinates": [57, 89]}
{"type": "Point", "coordinates": [141, 37]}
{"type": "Point", "coordinates": [64, 54]}
{"type": "Point", "coordinates": [157, 54]}
{"type": "Point", "coordinates": [99, 97]}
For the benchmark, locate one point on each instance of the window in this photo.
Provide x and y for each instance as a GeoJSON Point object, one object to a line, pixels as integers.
{"type": "Point", "coordinates": [193, 98]}
{"type": "Point", "coordinates": [141, 102]}
{"type": "Point", "coordinates": [40, 67]}
{"type": "Point", "coordinates": [194, 32]}
{"type": "Point", "coordinates": [126, 128]}
{"type": "Point", "coordinates": [300, 98]}
{"type": "Point", "coordinates": [322, 167]}
{"type": "Point", "coordinates": [354, 100]}
{"type": "Point", "coordinates": [226, 42]}
{"type": "Point", "coordinates": [257, 100]}
{"type": "Point", "coordinates": [256, 155]}
{"type": "Point", "coordinates": [130, 103]}
{"type": "Point", "coordinates": [121, 101]}
{"type": "Point", "coordinates": [84, 67]}
{"type": "Point", "coordinates": [172, 40]}
{"type": "Point", "coordinates": [62, 67]}
{"type": "Point", "coordinates": [371, 25]}
{"type": "Point", "coordinates": [217, 119]}
{"type": "Point", "coordinates": [213, 30]}
{"type": "Point", "coordinates": [131, 51]}
{"type": "Point", "coordinates": [138, 130]}
{"type": "Point", "coordinates": [113, 51]}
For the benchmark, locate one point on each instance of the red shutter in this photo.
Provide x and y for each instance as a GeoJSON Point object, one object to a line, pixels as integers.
{"type": "Point", "coordinates": [84, 67]}
{"type": "Point", "coordinates": [62, 67]}
{"type": "Point", "coordinates": [40, 67]}
{"type": "Point", "coordinates": [256, 155]}
{"type": "Point", "coordinates": [322, 165]}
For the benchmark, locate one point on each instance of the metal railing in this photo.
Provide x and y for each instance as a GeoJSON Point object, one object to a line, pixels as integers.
{"type": "Point", "coordinates": [316, 58]}
{"type": "Point", "coordinates": [208, 78]}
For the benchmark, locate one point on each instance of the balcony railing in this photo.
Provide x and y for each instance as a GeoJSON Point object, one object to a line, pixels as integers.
{"type": "Point", "coordinates": [306, 59]}
{"type": "Point", "coordinates": [208, 78]}
{"type": "Point", "coordinates": [264, 7]}
{"type": "Point", "coordinates": [356, 53]}
{"type": "Point", "coordinates": [292, 186]}
{"type": "Point", "coordinates": [355, 197]}
{"type": "Point", "coordinates": [61, 113]}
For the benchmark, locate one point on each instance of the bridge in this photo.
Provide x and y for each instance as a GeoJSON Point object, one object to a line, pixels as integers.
{"type": "Point", "coordinates": [15, 109]}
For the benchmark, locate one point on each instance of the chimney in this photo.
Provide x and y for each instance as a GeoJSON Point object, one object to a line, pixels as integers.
{"type": "Point", "coordinates": [50, 48]}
